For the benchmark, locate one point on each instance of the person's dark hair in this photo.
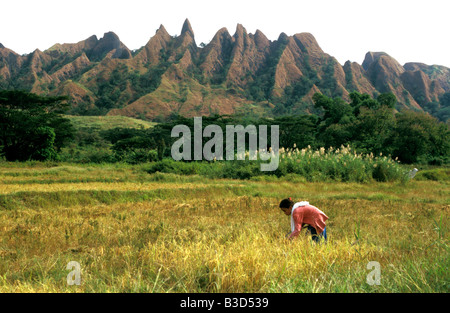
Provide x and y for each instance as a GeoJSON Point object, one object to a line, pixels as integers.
{"type": "Point", "coordinates": [286, 203]}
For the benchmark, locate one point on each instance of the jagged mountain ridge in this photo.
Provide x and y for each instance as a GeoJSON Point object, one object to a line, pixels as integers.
{"type": "Point", "coordinates": [172, 74]}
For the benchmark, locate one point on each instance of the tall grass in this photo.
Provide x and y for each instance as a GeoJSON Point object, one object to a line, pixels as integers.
{"type": "Point", "coordinates": [176, 233]}
{"type": "Point", "coordinates": [340, 164]}
{"type": "Point", "coordinates": [310, 165]}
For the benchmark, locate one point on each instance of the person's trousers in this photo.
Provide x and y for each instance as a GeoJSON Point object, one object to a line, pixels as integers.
{"type": "Point", "coordinates": [316, 237]}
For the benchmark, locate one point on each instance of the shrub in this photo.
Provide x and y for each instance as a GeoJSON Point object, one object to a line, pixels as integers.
{"type": "Point", "coordinates": [137, 156]}
{"type": "Point", "coordinates": [341, 164]}
{"type": "Point", "coordinates": [438, 174]}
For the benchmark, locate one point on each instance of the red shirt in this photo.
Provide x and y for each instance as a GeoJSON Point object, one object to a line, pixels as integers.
{"type": "Point", "coordinates": [308, 214]}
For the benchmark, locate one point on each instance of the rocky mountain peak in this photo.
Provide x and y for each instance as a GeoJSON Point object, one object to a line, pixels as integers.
{"type": "Point", "coordinates": [90, 42]}
{"type": "Point", "coordinates": [221, 33]}
{"type": "Point", "coordinates": [371, 57]}
{"type": "Point", "coordinates": [109, 42]}
{"type": "Point", "coordinates": [187, 28]}
{"type": "Point", "coordinates": [283, 38]}
{"type": "Point", "coordinates": [261, 39]}
{"type": "Point", "coordinates": [240, 31]}
{"type": "Point", "coordinates": [308, 43]}
{"type": "Point", "coordinates": [161, 31]}
{"type": "Point", "coordinates": [110, 36]}
{"type": "Point", "coordinates": [186, 39]}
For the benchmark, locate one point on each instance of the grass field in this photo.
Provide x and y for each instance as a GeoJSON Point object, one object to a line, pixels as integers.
{"type": "Point", "coordinates": [137, 232]}
{"type": "Point", "coordinates": [107, 122]}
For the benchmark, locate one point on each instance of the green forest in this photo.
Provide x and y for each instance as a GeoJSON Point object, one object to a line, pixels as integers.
{"type": "Point", "coordinates": [34, 127]}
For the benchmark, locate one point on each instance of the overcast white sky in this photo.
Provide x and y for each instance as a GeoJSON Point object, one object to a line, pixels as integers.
{"type": "Point", "coordinates": [408, 30]}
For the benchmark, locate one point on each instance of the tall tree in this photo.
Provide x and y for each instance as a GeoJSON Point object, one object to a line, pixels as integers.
{"type": "Point", "coordinates": [420, 137]}
{"type": "Point", "coordinates": [31, 126]}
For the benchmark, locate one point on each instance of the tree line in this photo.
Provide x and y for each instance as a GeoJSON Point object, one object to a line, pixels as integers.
{"type": "Point", "coordinates": [32, 127]}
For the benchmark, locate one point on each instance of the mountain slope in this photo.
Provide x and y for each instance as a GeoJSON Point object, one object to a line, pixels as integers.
{"type": "Point", "coordinates": [172, 75]}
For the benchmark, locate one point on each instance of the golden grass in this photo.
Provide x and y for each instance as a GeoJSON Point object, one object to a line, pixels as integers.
{"type": "Point", "coordinates": [122, 186]}
{"type": "Point", "coordinates": [227, 239]}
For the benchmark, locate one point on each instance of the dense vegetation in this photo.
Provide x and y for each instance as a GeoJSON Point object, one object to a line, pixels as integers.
{"type": "Point", "coordinates": [440, 109]}
{"type": "Point", "coordinates": [365, 124]}
{"type": "Point", "coordinates": [31, 126]}
{"type": "Point", "coordinates": [369, 129]}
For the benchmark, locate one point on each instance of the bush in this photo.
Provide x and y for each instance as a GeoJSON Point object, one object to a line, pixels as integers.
{"type": "Point", "coordinates": [174, 167]}
{"type": "Point", "coordinates": [87, 155]}
{"type": "Point", "coordinates": [438, 174]}
{"type": "Point", "coordinates": [301, 165]}
{"type": "Point", "coordinates": [137, 156]}
{"type": "Point", "coordinates": [384, 171]}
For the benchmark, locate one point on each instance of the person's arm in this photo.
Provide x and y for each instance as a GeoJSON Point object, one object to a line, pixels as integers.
{"type": "Point", "coordinates": [298, 222]}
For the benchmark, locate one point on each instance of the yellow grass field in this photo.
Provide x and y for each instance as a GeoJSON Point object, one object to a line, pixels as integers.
{"type": "Point", "coordinates": [135, 232]}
